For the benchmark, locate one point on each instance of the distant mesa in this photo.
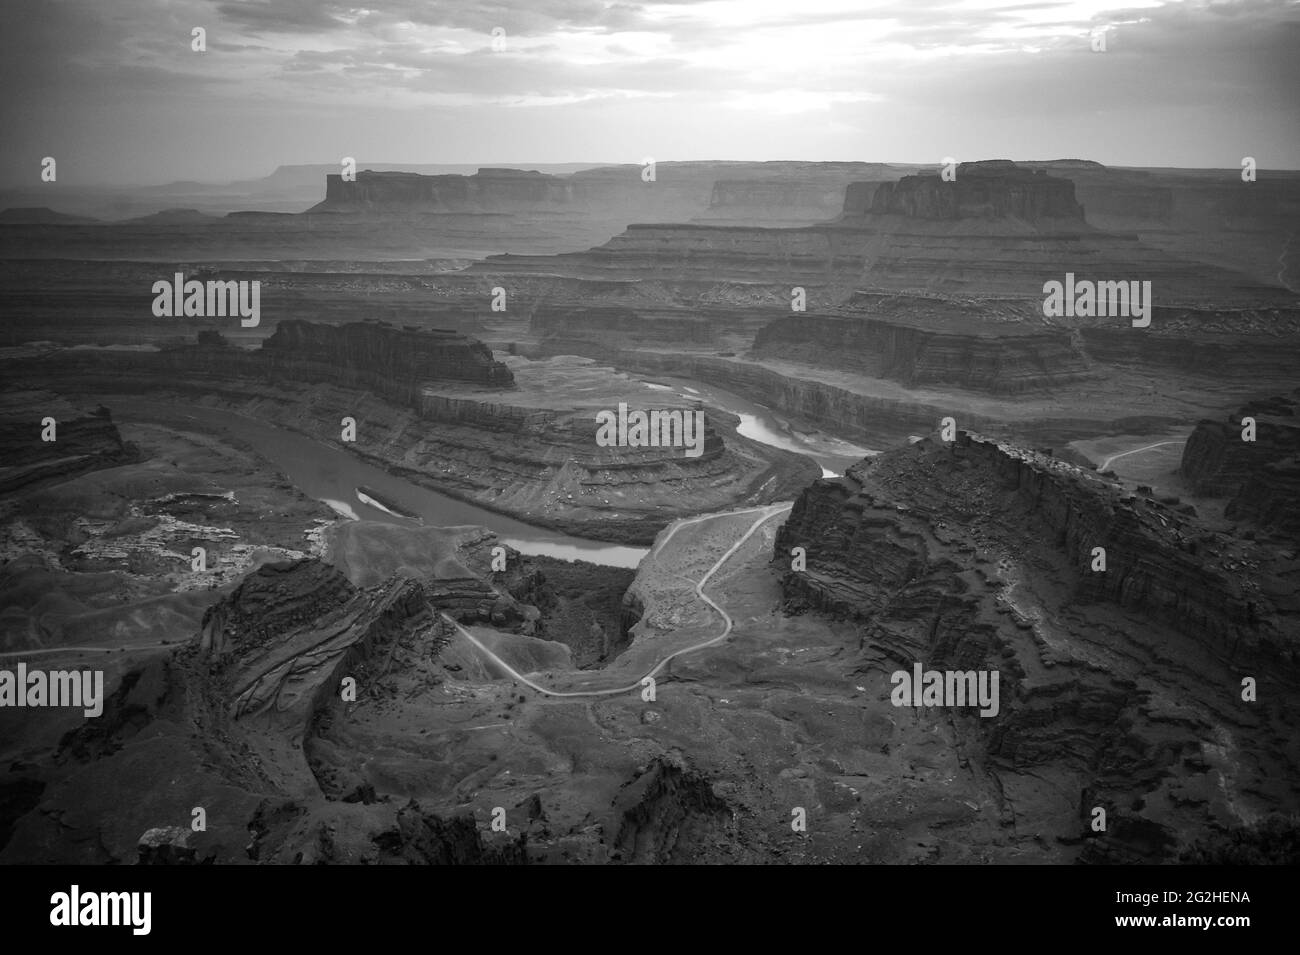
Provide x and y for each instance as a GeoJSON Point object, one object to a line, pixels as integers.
{"type": "Point", "coordinates": [991, 189]}
{"type": "Point", "coordinates": [798, 192]}
{"type": "Point", "coordinates": [1080, 164]}
{"type": "Point", "coordinates": [174, 217]}
{"type": "Point", "coordinates": [998, 229]}
{"type": "Point", "coordinates": [41, 215]}
{"type": "Point", "coordinates": [480, 192]}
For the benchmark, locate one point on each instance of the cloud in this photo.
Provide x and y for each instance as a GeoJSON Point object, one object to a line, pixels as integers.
{"type": "Point", "coordinates": [699, 76]}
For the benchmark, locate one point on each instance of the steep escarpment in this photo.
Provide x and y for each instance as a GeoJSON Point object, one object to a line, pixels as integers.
{"type": "Point", "coordinates": [993, 189]}
{"type": "Point", "coordinates": [1160, 562]}
{"type": "Point", "coordinates": [1120, 681]}
{"type": "Point", "coordinates": [371, 354]}
{"type": "Point", "coordinates": [592, 327]}
{"type": "Point", "coordinates": [270, 602]}
{"type": "Point", "coordinates": [844, 405]}
{"type": "Point", "coordinates": [690, 253]}
{"type": "Point", "coordinates": [1258, 345]}
{"type": "Point", "coordinates": [1012, 360]}
{"type": "Point", "coordinates": [678, 191]}
{"type": "Point", "coordinates": [488, 190]}
{"type": "Point", "coordinates": [806, 196]}
{"type": "Point", "coordinates": [243, 724]}
{"type": "Point", "coordinates": [997, 229]}
{"type": "Point", "coordinates": [43, 436]}
{"type": "Point", "coordinates": [380, 358]}
{"type": "Point", "coordinates": [1256, 467]}
{"type": "Point", "coordinates": [290, 632]}
{"type": "Point", "coordinates": [535, 452]}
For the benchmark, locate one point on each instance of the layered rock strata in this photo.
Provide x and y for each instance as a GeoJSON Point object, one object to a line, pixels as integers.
{"type": "Point", "coordinates": [519, 455]}
{"type": "Point", "coordinates": [1257, 469]}
{"type": "Point", "coordinates": [43, 437]}
{"type": "Point", "coordinates": [1121, 686]}
{"type": "Point", "coordinates": [997, 229]}
{"type": "Point", "coordinates": [678, 192]}
{"type": "Point", "coordinates": [999, 361]}
{"type": "Point", "coordinates": [995, 189]}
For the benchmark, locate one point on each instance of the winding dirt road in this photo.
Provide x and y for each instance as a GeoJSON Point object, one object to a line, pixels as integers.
{"type": "Point", "coordinates": [767, 514]}
{"type": "Point", "coordinates": [1105, 464]}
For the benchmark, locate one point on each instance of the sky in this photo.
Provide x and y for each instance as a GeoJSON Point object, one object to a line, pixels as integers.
{"type": "Point", "coordinates": [114, 90]}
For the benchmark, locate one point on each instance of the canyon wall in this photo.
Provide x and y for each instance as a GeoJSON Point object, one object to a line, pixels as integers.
{"type": "Point", "coordinates": [1016, 360]}
{"type": "Point", "coordinates": [1260, 477]}
{"type": "Point", "coordinates": [80, 439]}
{"type": "Point", "coordinates": [1159, 565]}
{"type": "Point", "coordinates": [998, 229]}
{"type": "Point", "coordinates": [381, 358]}
{"type": "Point", "coordinates": [679, 191]}
{"type": "Point", "coordinates": [788, 202]}
{"type": "Point", "coordinates": [980, 555]}
{"type": "Point", "coordinates": [1255, 345]}
{"type": "Point", "coordinates": [540, 464]}
{"type": "Point", "coordinates": [985, 190]}
{"type": "Point", "coordinates": [488, 190]}
{"type": "Point", "coordinates": [875, 420]}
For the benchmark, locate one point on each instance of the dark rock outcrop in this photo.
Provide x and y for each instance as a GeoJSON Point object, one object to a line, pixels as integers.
{"type": "Point", "coordinates": [979, 555]}
{"type": "Point", "coordinates": [423, 838]}
{"type": "Point", "coordinates": [270, 602]}
{"type": "Point", "coordinates": [83, 440]}
{"type": "Point", "coordinates": [1261, 478]}
{"type": "Point", "coordinates": [985, 190]}
{"type": "Point", "coordinates": [169, 845]}
{"type": "Point", "coordinates": [668, 815]}
{"type": "Point", "coordinates": [1018, 359]}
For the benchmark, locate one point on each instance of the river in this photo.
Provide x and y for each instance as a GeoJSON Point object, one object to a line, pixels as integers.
{"type": "Point", "coordinates": [335, 477]}
{"type": "Point", "coordinates": [761, 424]}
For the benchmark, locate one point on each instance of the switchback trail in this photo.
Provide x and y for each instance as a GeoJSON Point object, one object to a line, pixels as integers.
{"type": "Point", "coordinates": [767, 514]}
{"type": "Point", "coordinates": [1105, 464]}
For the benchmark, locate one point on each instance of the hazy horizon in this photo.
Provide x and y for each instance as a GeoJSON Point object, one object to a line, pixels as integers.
{"type": "Point", "coordinates": [363, 165]}
{"type": "Point", "coordinates": [116, 94]}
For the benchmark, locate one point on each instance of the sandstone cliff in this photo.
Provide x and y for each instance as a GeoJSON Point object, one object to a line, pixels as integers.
{"type": "Point", "coordinates": [82, 439]}
{"type": "Point", "coordinates": [998, 229]}
{"type": "Point", "coordinates": [1260, 477]}
{"type": "Point", "coordinates": [993, 189]}
{"type": "Point", "coordinates": [533, 456]}
{"type": "Point", "coordinates": [1014, 360]}
{"type": "Point", "coordinates": [1122, 686]}
{"type": "Point", "coordinates": [381, 358]}
{"type": "Point", "coordinates": [680, 191]}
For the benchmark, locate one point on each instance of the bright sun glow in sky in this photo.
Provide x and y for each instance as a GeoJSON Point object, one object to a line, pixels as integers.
{"type": "Point", "coordinates": [117, 89]}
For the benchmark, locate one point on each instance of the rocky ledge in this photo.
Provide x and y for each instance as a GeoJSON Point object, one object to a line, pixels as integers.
{"type": "Point", "coordinates": [1009, 360]}
{"type": "Point", "coordinates": [1257, 468]}
{"type": "Point", "coordinates": [995, 188]}
{"type": "Point", "coordinates": [43, 436]}
{"type": "Point", "coordinates": [374, 354]}
{"type": "Point", "coordinates": [1121, 687]}
{"type": "Point", "coordinates": [534, 450]}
